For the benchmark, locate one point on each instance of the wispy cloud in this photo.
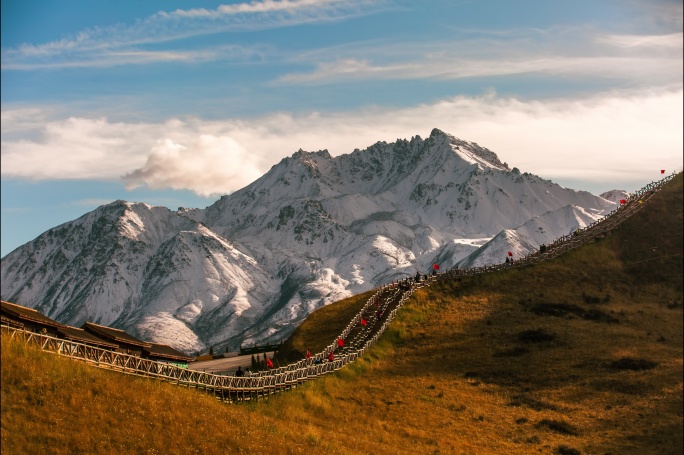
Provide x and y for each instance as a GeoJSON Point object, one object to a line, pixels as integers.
{"type": "Point", "coordinates": [605, 137]}
{"type": "Point", "coordinates": [669, 41]}
{"type": "Point", "coordinates": [125, 44]}
{"type": "Point", "coordinates": [659, 12]}
{"type": "Point", "coordinates": [106, 58]}
{"type": "Point", "coordinates": [265, 6]}
{"type": "Point", "coordinates": [655, 59]}
{"type": "Point", "coordinates": [655, 70]}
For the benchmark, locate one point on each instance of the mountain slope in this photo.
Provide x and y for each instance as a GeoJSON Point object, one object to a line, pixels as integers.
{"type": "Point", "coordinates": [527, 238]}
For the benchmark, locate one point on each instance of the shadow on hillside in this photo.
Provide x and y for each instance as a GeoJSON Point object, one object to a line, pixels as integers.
{"type": "Point", "coordinates": [573, 333]}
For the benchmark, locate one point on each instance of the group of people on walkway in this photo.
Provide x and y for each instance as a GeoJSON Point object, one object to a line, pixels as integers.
{"type": "Point", "coordinates": [404, 285]}
{"type": "Point", "coordinates": [240, 373]}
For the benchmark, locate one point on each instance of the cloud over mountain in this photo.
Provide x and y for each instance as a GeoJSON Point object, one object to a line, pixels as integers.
{"type": "Point", "coordinates": [611, 134]}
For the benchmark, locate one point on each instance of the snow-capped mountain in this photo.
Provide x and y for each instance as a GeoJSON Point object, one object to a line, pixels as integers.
{"type": "Point", "coordinates": [312, 230]}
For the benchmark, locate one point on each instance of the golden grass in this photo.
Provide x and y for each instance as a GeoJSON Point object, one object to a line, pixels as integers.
{"type": "Point", "coordinates": [323, 326]}
{"type": "Point", "coordinates": [459, 371]}
{"type": "Point", "coordinates": [58, 406]}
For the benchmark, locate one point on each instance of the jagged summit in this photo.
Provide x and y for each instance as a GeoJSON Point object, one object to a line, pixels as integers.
{"type": "Point", "coordinates": [312, 230]}
{"type": "Point", "coordinates": [615, 195]}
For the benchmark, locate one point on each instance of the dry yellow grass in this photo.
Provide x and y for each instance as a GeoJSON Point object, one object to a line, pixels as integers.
{"type": "Point", "coordinates": [579, 355]}
{"type": "Point", "coordinates": [322, 327]}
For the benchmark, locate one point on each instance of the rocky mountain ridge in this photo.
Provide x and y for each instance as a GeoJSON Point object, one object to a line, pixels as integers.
{"type": "Point", "coordinates": [312, 230]}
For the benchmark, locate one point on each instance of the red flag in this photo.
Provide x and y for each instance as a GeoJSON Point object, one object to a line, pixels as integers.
{"type": "Point", "coordinates": [662, 171]}
{"type": "Point", "coordinates": [623, 201]}
{"type": "Point", "coordinates": [435, 267]}
{"type": "Point", "coordinates": [363, 322]}
{"type": "Point", "coordinates": [269, 363]}
{"type": "Point", "coordinates": [340, 342]}
{"type": "Point", "coordinates": [510, 254]}
{"type": "Point", "coordinates": [308, 354]}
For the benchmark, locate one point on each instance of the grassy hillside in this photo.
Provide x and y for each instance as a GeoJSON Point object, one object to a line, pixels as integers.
{"type": "Point", "coordinates": [579, 355]}
{"type": "Point", "coordinates": [322, 328]}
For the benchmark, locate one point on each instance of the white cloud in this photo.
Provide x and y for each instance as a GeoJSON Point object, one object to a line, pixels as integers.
{"type": "Point", "coordinates": [121, 44]}
{"type": "Point", "coordinates": [73, 148]}
{"type": "Point", "coordinates": [213, 165]}
{"type": "Point", "coordinates": [609, 137]}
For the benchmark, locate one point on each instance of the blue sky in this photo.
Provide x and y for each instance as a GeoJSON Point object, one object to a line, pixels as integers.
{"type": "Point", "coordinates": [175, 103]}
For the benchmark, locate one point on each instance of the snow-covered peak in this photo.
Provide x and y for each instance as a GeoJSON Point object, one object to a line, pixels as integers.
{"type": "Point", "coordinates": [615, 195]}
{"type": "Point", "coordinates": [313, 229]}
{"type": "Point", "coordinates": [470, 152]}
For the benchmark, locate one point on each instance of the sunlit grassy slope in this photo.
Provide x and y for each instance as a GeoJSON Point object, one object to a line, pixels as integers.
{"type": "Point", "coordinates": [579, 355]}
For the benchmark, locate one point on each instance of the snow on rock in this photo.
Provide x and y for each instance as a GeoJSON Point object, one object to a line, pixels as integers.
{"type": "Point", "coordinates": [527, 238]}
{"type": "Point", "coordinates": [312, 230]}
{"type": "Point", "coordinates": [163, 328]}
{"type": "Point", "coordinates": [615, 195]}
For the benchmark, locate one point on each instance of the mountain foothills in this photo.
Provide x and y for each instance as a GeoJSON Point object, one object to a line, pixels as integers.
{"type": "Point", "coordinates": [311, 231]}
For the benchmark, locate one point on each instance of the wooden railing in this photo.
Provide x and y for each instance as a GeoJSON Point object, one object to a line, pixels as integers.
{"type": "Point", "coordinates": [228, 387]}
{"type": "Point", "coordinates": [387, 299]}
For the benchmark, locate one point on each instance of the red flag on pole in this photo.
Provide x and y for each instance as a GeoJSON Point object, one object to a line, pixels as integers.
{"type": "Point", "coordinates": [363, 322]}
{"type": "Point", "coordinates": [269, 363]}
{"type": "Point", "coordinates": [662, 171]}
{"type": "Point", "coordinates": [340, 342]}
{"type": "Point", "coordinates": [510, 254]}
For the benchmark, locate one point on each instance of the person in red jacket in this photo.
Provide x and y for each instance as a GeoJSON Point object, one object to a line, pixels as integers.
{"type": "Point", "coordinates": [331, 357]}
